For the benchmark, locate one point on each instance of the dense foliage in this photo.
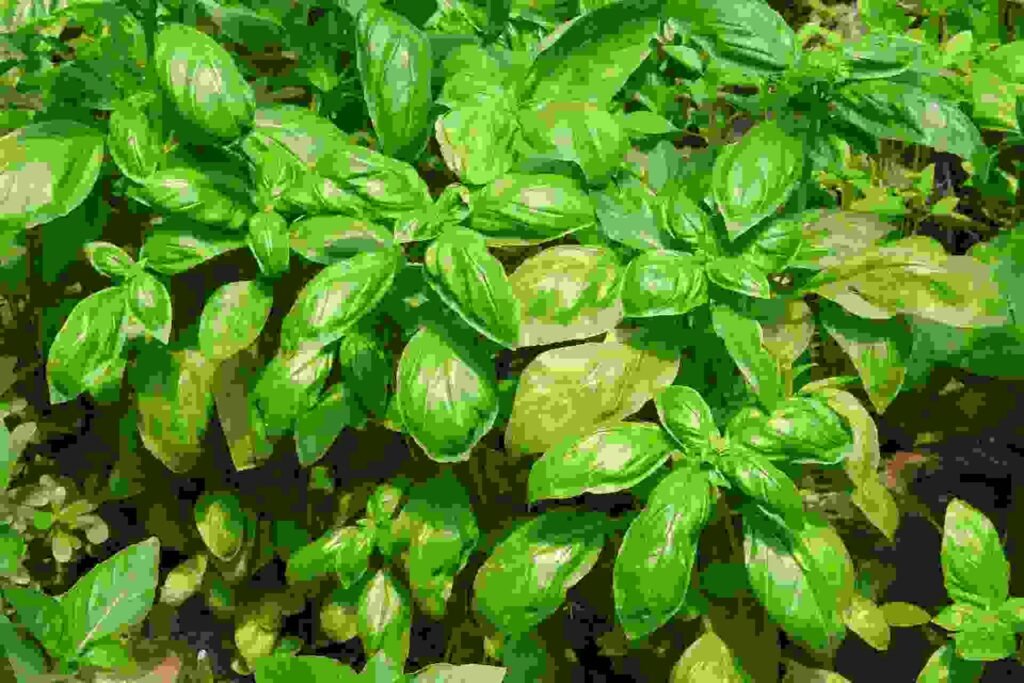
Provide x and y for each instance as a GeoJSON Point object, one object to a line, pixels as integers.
{"type": "Point", "coordinates": [580, 283]}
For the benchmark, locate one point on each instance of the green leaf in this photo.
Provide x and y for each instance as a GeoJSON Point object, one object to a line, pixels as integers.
{"type": "Point", "coordinates": [203, 82]}
{"type": "Point", "coordinates": [803, 576]}
{"type": "Point", "coordinates": [150, 302]}
{"type": "Point", "coordinates": [525, 578]}
{"type": "Point", "coordinates": [331, 238]}
{"type": "Point", "coordinates": [997, 83]}
{"type": "Point", "coordinates": [221, 524]}
{"type": "Point", "coordinates": [170, 251]}
{"type": "Point", "coordinates": [579, 132]}
{"type": "Point", "coordinates": [1012, 613]}
{"type": "Point", "coordinates": [243, 426]}
{"type": "Point", "coordinates": [471, 282]}
{"type": "Point", "coordinates": [462, 673]}
{"type": "Point", "coordinates": [763, 483]}
{"type": "Point", "coordinates": [748, 36]}
{"type": "Point", "coordinates": [567, 293]}
{"type": "Point", "coordinates": [755, 176]}
{"type": "Point", "coordinates": [878, 351]}
{"type": "Point", "coordinates": [343, 551]}
{"type": "Point", "coordinates": [904, 614]}
{"type": "Point", "coordinates": [520, 209]}
{"type": "Point", "coordinates": [914, 275]}
{"type": "Point", "coordinates": [801, 429]}
{"type": "Point", "coordinates": [574, 390]}
{"type": "Point", "coordinates": [945, 667]}
{"type": "Point", "coordinates": [689, 223]}
{"type": "Point", "coordinates": [628, 214]}
{"type": "Point", "coordinates": [743, 339]}
{"type": "Point", "coordinates": [739, 275]}
{"type": "Point", "coordinates": [773, 245]}
{"type": "Point", "coordinates": [394, 63]}
{"type": "Point", "coordinates": [708, 660]}
{"type": "Point", "coordinates": [312, 668]}
{"type": "Point", "coordinates": [653, 565]}
{"type": "Point", "coordinates": [269, 242]}
{"type": "Point", "coordinates": [447, 401]}
{"type": "Point", "coordinates": [174, 393]}
{"type": "Point", "coordinates": [594, 56]}
{"type": "Point", "coordinates": [987, 640]}
{"type": "Point", "coordinates": [660, 283]}
{"type": "Point", "coordinates": [862, 461]}
{"type": "Point", "coordinates": [290, 385]}
{"type": "Point", "coordinates": [89, 341]}
{"type": "Point", "coordinates": [233, 317]}
{"type": "Point", "coordinates": [611, 459]}
{"type": "Point", "coordinates": [190, 192]}
{"type": "Point", "coordinates": [134, 143]}
{"type": "Point", "coordinates": [642, 123]}
{"type": "Point", "coordinates": [868, 621]}
{"type": "Point", "coordinates": [385, 616]}
{"type": "Point", "coordinates": [257, 631]}
{"type": "Point", "coordinates": [787, 327]}
{"type": "Point", "coordinates": [26, 659]}
{"type": "Point", "coordinates": [478, 142]}
{"type": "Point", "coordinates": [318, 428]}
{"type": "Point", "coordinates": [687, 418]}
{"type": "Point", "coordinates": [368, 369]}
{"type": "Point", "coordinates": [954, 617]}
{"type": "Point", "coordinates": [109, 259]}
{"type": "Point", "coordinates": [880, 55]}
{"type": "Point", "coordinates": [47, 170]}
{"type": "Point", "coordinates": [974, 566]}
{"type": "Point", "coordinates": [184, 581]}
{"type": "Point", "coordinates": [43, 616]}
{"type": "Point", "coordinates": [439, 530]}
{"type": "Point", "coordinates": [337, 297]}
{"type": "Point", "coordinates": [832, 237]}
{"type": "Point", "coordinates": [12, 545]}
{"type": "Point", "coordinates": [115, 593]}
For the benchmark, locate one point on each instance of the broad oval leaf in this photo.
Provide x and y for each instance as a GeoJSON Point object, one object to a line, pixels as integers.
{"type": "Point", "coordinates": [748, 35]}
{"type": "Point", "coordinates": [627, 213]}
{"type": "Point", "coordinates": [331, 238]}
{"type": "Point", "coordinates": [525, 578]}
{"type": "Point", "coordinates": [88, 342]}
{"type": "Point", "coordinates": [803, 576]}
{"type": "Point", "coordinates": [47, 170]}
{"type": "Point", "coordinates": [290, 385]}
{"type": "Point", "coordinates": [133, 143]}
{"type": "Point", "coordinates": [653, 565]}
{"type": "Point", "coordinates": [221, 524]}
{"type": "Point", "coordinates": [611, 459]}
{"type": "Point", "coordinates": [337, 297]}
{"type": "Point", "coordinates": [567, 292]}
{"type": "Point", "coordinates": [868, 621]}
{"type": "Point", "coordinates": [945, 667]}
{"type": "Point", "coordinates": [462, 673]}
{"type": "Point", "coordinates": [763, 483]}
{"type": "Point", "coordinates": [368, 369]}
{"type": "Point", "coordinates": [478, 142]}
{"type": "Point", "coordinates": [878, 349]}
{"type": "Point", "coordinates": [184, 581]}
{"type": "Point", "coordinates": [203, 82]}
{"type": "Point", "coordinates": [687, 418]}
{"type": "Point", "coordinates": [466, 277]}
{"type": "Point", "coordinates": [150, 302]}
{"type": "Point", "coordinates": [663, 283]}
{"type": "Point", "coordinates": [755, 176]}
{"type": "Point", "coordinates": [268, 241]}
{"type": "Point", "coordinates": [233, 317]}
{"type": "Point", "coordinates": [190, 192]}
{"type": "Point", "coordinates": [974, 566]}
{"type": "Point", "coordinates": [708, 660]}
{"type": "Point", "coordinates": [318, 428]}
{"type": "Point", "coordinates": [109, 259]}
{"type": "Point", "coordinates": [801, 429]}
{"type": "Point", "coordinates": [578, 132]}
{"type": "Point", "coordinates": [593, 57]}
{"type": "Point", "coordinates": [447, 401]}
{"type": "Point", "coordinates": [439, 530]}
{"type": "Point", "coordinates": [172, 250]}
{"type": "Point", "coordinates": [880, 55]}
{"type": "Point", "coordinates": [385, 615]}
{"type": "Point", "coordinates": [774, 245]}
{"type": "Point", "coordinates": [344, 551]}
{"type": "Point", "coordinates": [914, 275]}
{"type": "Point", "coordinates": [572, 391]}
{"type": "Point", "coordinates": [519, 209]}
{"type": "Point", "coordinates": [312, 668]}
{"type": "Point", "coordinates": [117, 592]}
{"type": "Point", "coordinates": [394, 61]}
{"type": "Point", "coordinates": [739, 275]}
{"type": "Point", "coordinates": [744, 341]}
